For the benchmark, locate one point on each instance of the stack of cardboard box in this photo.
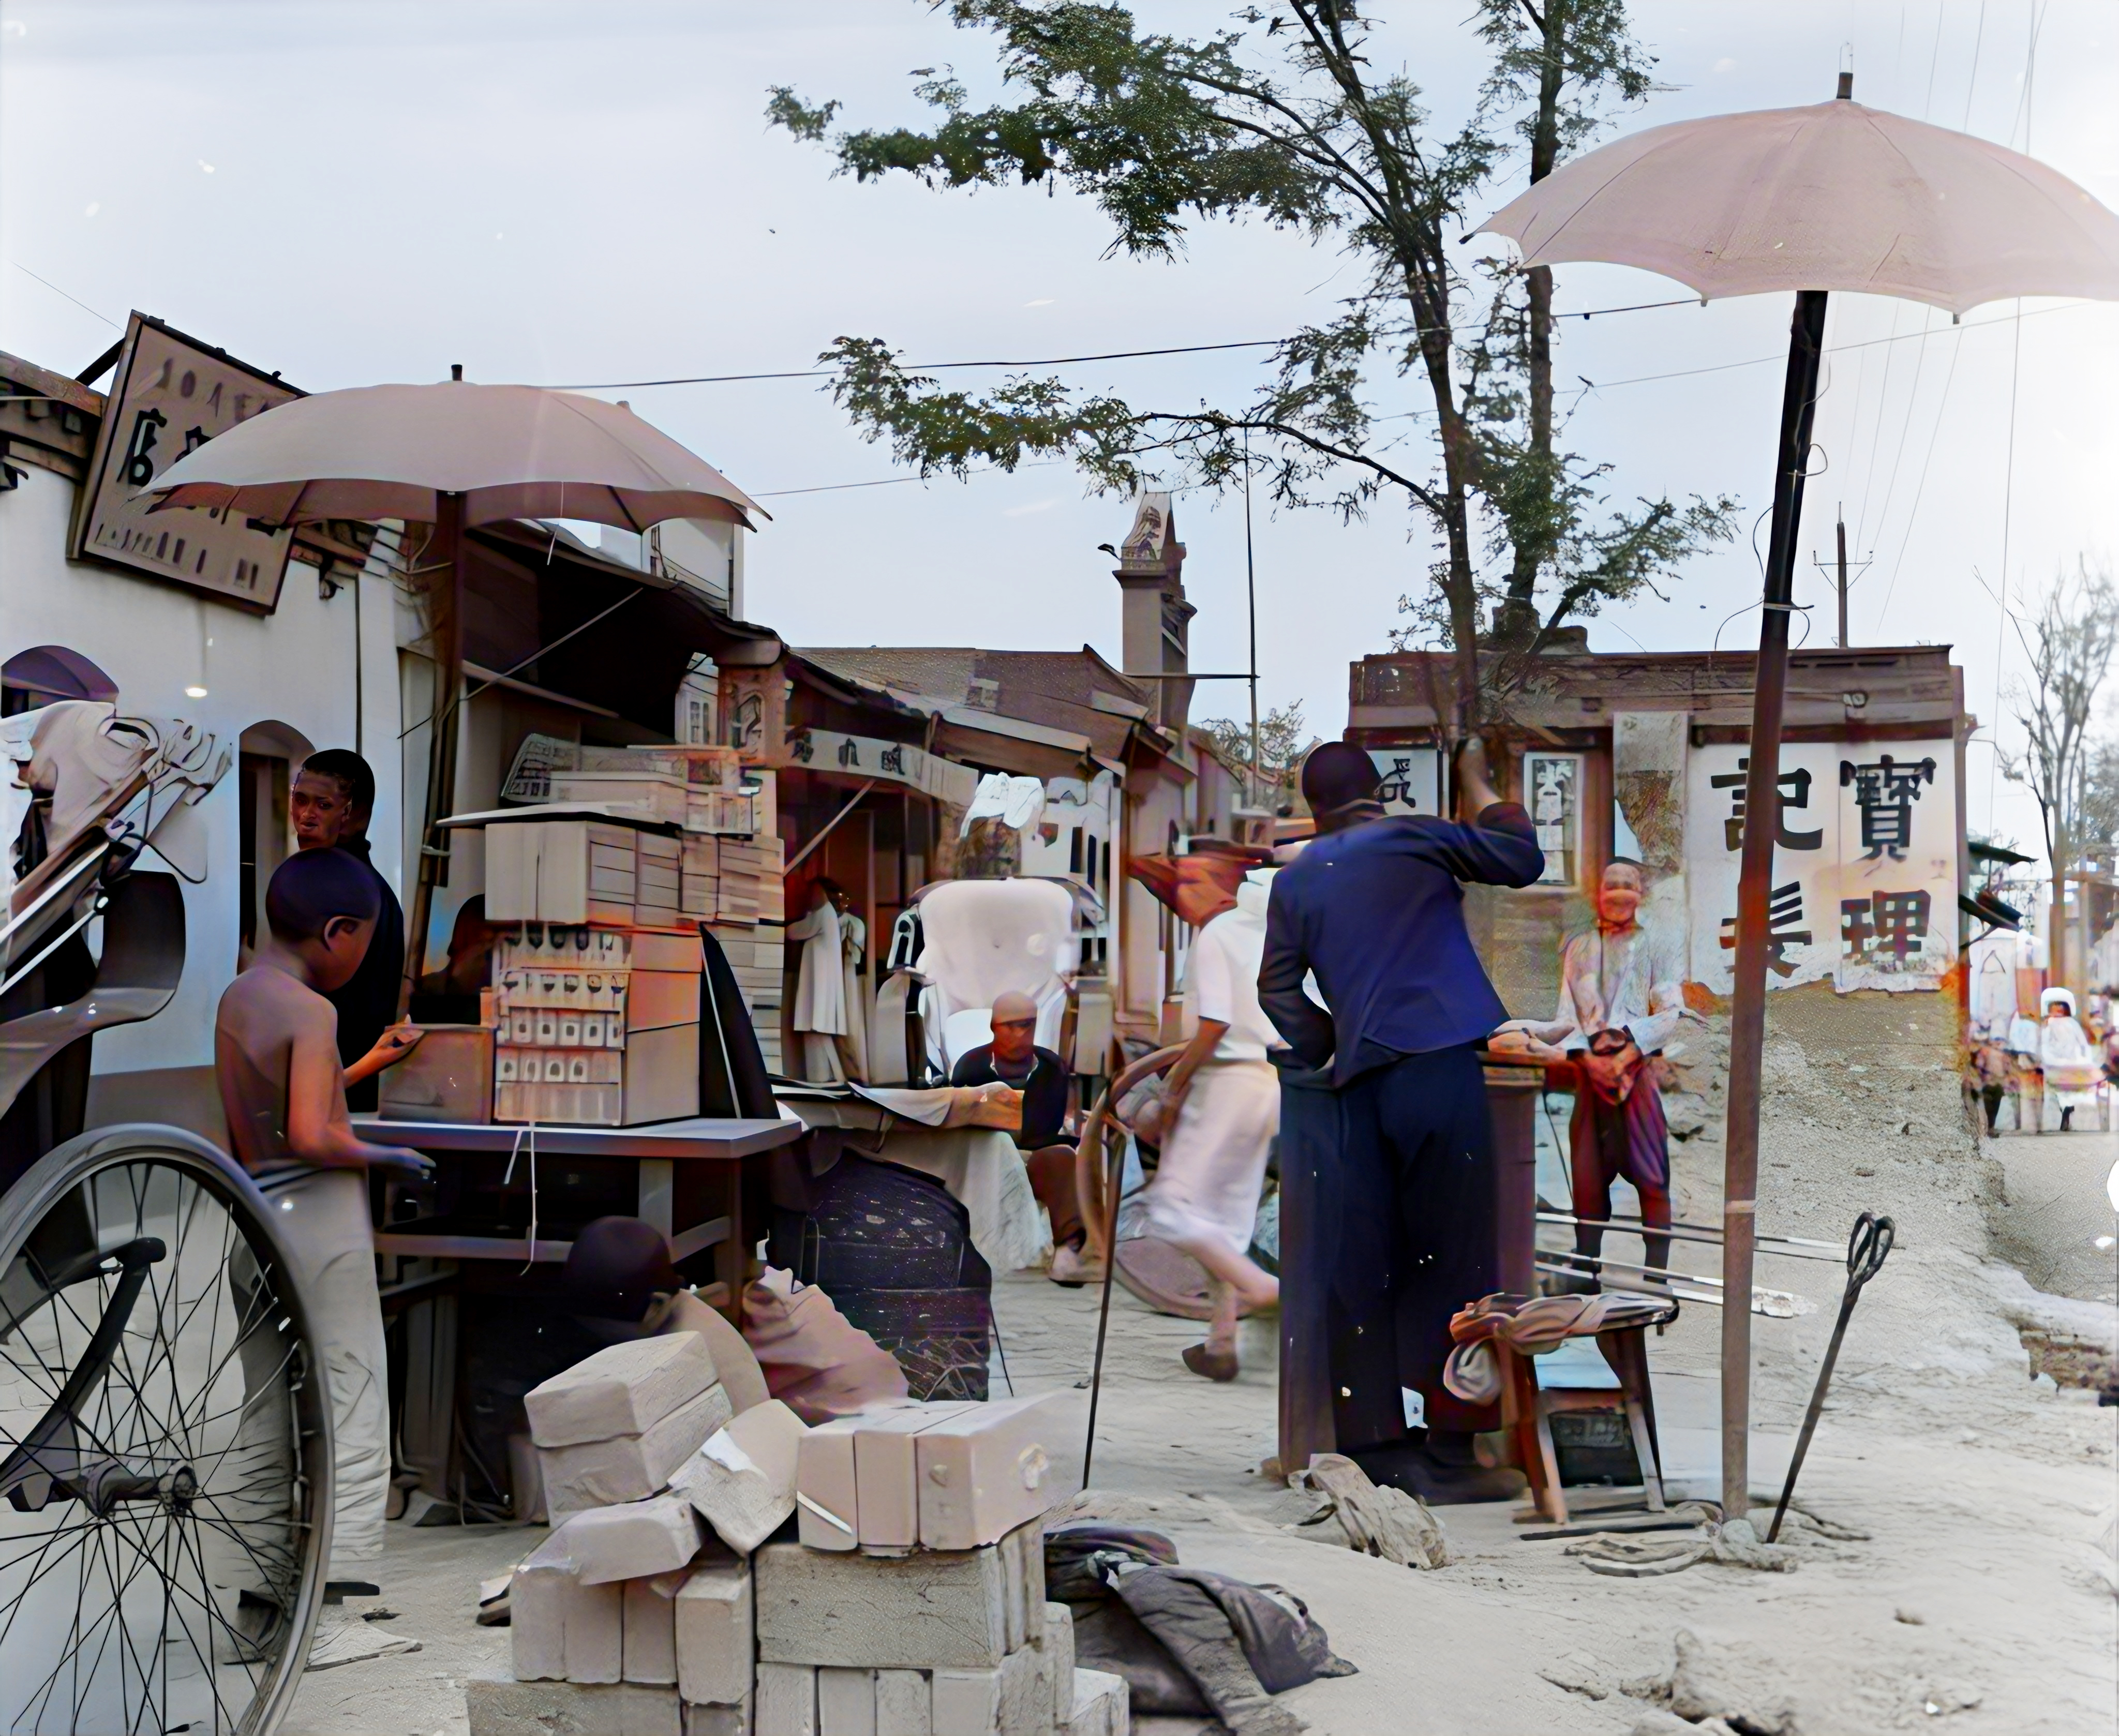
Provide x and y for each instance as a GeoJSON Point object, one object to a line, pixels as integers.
{"type": "Point", "coordinates": [879, 1632]}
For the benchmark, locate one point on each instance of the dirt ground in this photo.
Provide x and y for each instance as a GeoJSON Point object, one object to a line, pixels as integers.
{"type": "Point", "coordinates": [1980, 1598]}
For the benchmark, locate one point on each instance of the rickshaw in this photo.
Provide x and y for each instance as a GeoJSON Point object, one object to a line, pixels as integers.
{"type": "Point", "coordinates": [164, 1431]}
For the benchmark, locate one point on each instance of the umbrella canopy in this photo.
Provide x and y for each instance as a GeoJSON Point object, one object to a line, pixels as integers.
{"type": "Point", "coordinates": [510, 451]}
{"type": "Point", "coordinates": [1831, 196]}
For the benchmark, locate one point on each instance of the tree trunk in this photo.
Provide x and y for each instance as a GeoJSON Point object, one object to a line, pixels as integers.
{"type": "Point", "coordinates": [2057, 939]}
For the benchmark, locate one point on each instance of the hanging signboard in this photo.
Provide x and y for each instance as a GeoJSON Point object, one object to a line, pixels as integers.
{"type": "Point", "coordinates": [1865, 864]}
{"type": "Point", "coordinates": [170, 395]}
{"type": "Point", "coordinates": [896, 762]}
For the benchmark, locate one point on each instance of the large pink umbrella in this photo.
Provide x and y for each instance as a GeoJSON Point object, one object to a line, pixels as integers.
{"type": "Point", "coordinates": [1834, 197]}
{"type": "Point", "coordinates": [451, 455]}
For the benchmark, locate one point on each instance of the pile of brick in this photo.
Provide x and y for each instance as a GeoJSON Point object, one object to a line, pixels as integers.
{"type": "Point", "coordinates": [912, 1605]}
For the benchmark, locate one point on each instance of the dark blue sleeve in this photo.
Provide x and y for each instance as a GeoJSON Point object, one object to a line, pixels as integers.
{"type": "Point", "coordinates": [974, 1067]}
{"type": "Point", "coordinates": [1306, 1026]}
{"type": "Point", "coordinates": [1500, 848]}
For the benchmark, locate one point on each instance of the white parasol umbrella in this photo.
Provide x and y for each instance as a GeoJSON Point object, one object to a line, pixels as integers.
{"type": "Point", "coordinates": [451, 455]}
{"type": "Point", "coordinates": [1834, 197]}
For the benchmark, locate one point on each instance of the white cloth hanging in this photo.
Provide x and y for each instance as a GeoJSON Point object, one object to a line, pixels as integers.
{"type": "Point", "coordinates": [853, 1044]}
{"type": "Point", "coordinates": [818, 1018]}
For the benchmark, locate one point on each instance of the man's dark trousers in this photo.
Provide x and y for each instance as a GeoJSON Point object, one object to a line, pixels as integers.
{"type": "Point", "coordinates": [1406, 1216]}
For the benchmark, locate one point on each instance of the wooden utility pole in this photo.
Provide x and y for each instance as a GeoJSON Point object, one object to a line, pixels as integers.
{"type": "Point", "coordinates": [1842, 581]}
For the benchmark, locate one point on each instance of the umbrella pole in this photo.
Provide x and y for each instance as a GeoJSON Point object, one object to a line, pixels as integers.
{"type": "Point", "coordinates": [1747, 1025]}
{"type": "Point", "coordinates": [445, 726]}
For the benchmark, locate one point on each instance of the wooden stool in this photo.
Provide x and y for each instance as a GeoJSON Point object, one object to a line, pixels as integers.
{"type": "Point", "coordinates": [1527, 1410]}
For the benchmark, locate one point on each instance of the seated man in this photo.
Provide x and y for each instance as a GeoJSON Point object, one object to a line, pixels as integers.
{"type": "Point", "coordinates": [1014, 1059]}
{"type": "Point", "coordinates": [282, 1090]}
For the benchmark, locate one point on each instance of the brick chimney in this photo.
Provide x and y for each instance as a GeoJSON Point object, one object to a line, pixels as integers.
{"type": "Point", "coordinates": [1157, 622]}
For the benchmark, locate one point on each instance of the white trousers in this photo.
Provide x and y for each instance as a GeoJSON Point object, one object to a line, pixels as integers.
{"type": "Point", "coordinates": [1206, 1188]}
{"type": "Point", "coordinates": [323, 1214]}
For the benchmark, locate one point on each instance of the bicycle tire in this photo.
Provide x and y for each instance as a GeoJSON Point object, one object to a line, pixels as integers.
{"type": "Point", "coordinates": [191, 1604]}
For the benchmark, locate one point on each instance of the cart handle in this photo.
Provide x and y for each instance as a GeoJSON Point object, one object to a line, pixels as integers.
{"type": "Point", "coordinates": [1097, 1202]}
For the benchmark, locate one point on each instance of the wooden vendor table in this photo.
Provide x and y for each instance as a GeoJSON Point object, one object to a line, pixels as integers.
{"type": "Point", "coordinates": [686, 1179]}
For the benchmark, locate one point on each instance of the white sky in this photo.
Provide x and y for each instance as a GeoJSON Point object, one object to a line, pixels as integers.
{"type": "Point", "coordinates": [351, 191]}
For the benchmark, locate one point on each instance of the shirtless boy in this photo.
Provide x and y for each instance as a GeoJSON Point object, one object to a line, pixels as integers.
{"type": "Point", "coordinates": [282, 1090]}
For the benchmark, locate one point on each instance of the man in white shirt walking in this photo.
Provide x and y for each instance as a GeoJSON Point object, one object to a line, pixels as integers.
{"type": "Point", "coordinates": [1221, 1110]}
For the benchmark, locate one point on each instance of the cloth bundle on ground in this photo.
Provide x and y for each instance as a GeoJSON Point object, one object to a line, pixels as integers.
{"type": "Point", "coordinates": [814, 1359]}
{"type": "Point", "coordinates": [1188, 1642]}
{"type": "Point", "coordinates": [1531, 1325]}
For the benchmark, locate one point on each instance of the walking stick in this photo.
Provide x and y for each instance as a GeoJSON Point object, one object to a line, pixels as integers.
{"type": "Point", "coordinates": [1866, 1248]}
{"type": "Point", "coordinates": [1105, 1216]}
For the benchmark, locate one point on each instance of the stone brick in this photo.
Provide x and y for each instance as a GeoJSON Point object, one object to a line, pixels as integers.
{"type": "Point", "coordinates": [630, 1467]}
{"type": "Point", "coordinates": [624, 1389]}
{"type": "Point", "coordinates": [967, 1702]}
{"type": "Point", "coordinates": [1102, 1705]}
{"type": "Point", "coordinates": [1058, 1646]}
{"type": "Point", "coordinates": [826, 1488]}
{"type": "Point", "coordinates": [718, 1721]}
{"type": "Point", "coordinates": [904, 1703]}
{"type": "Point", "coordinates": [846, 1702]}
{"type": "Point", "coordinates": [785, 1703]}
{"type": "Point", "coordinates": [651, 1628]}
{"type": "Point", "coordinates": [631, 1539]}
{"type": "Point", "coordinates": [716, 1641]}
{"type": "Point", "coordinates": [1026, 1694]}
{"type": "Point", "coordinates": [983, 1472]}
{"type": "Point", "coordinates": [927, 1611]}
{"type": "Point", "coordinates": [885, 1473]}
{"type": "Point", "coordinates": [742, 1480]}
{"type": "Point", "coordinates": [498, 1706]}
{"type": "Point", "coordinates": [560, 1627]}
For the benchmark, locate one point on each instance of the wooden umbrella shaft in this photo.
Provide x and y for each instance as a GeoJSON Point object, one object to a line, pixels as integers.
{"type": "Point", "coordinates": [444, 728]}
{"type": "Point", "coordinates": [1747, 1027]}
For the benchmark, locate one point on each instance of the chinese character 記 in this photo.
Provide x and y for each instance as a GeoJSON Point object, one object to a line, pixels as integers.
{"type": "Point", "coordinates": [1795, 793]}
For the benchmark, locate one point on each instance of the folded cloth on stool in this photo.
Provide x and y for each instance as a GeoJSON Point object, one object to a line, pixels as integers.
{"type": "Point", "coordinates": [1532, 1327]}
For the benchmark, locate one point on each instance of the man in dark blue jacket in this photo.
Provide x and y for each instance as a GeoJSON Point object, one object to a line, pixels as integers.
{"type": "Point", "coordinates": [1402, 1234]}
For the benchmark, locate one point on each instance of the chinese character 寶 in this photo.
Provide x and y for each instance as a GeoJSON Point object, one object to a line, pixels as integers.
{"type": "Point", "coordinates": [1885, 793]}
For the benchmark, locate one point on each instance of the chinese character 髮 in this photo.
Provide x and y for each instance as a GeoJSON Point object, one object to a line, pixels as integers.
{"type": "Point", "coordinates": [1784, 911]}
{"type": "Point", "coordinates": [1885, 793]}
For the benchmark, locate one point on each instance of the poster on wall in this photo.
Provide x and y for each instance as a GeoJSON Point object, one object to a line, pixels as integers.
{"type": "Point", "coordinates": [1552, 792]}
{"type": "Point", "coordinates": [1864, 889]}
{"type": "Point", "coordinates": [170, 395]}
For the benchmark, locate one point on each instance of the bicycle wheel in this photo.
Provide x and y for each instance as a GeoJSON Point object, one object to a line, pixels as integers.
{"type": "Point", "coordinates": [164, 1446]}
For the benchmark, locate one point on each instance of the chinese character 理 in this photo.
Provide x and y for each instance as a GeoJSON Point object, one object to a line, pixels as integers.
{"type": "Point", "coordinates": [1784, 911]}
{"type": "Point", "coordinates": [1795, 793]}
{"type": "Point", "coordinates": [1885, 928]}
{"type": "Point", "coordinates": [1886, 792]}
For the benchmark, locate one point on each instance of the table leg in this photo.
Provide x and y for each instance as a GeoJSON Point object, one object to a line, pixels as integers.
{"type": "Point", "coordinates": [658, 1189]}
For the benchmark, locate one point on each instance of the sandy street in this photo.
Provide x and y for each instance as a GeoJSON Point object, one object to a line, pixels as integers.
{"type": "Point", "coordinates": [1979, 1599]}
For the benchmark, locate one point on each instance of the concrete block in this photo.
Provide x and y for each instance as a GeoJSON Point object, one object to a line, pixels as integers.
{"type": "Point", "coordinates": [1026, 1694]}
{"type": "Point", "coordinates": [846, 1702]}
{"type": "Point", "coordinates": [624, 1389]}
{"type": "Point", "coordinates": [926, 1611]}
{"type": "Point", "coordinates": [651, 1628]}
{"type": "Point", "coordinates": [718, 1721]}
{"type": "Point", "coordinates": [983, 1472]}
{"type": "Point", "coordinates": [785, 1703]}
{"type": "Point", "coordinates": [1102, 1705]}
{"type": "Point", "coordinates": [1058, 1647]}
{"type": "Point", "coordinates": [560, 1627]}
{"type": "Point", "coordinates": [630, 1467]}
{"type": "Point", "coordinates": [631, 1539]}
{"type": "Point", "coordinates": [967, 1702]}
{"type": "Point", "coordinates": [742, 1480]}
{"type": "Point", "coordinates": [885, 1477]}
{"type": "Point", "coordinates": [715, 1636]}
{"type": "Point", "coordinates": [904, 1703]}
{"type": "Point", "coordinates": [498, 1706]}
{"type": "Point", "coordinates": [826, 1492]}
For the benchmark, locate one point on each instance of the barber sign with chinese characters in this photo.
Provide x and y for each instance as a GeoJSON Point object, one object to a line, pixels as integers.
{"type": "Point", "coordinates": [1865, 864]}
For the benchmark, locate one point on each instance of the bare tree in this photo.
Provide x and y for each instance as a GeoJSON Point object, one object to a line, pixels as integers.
{"type": "Point", "coordinates": [2069, 644]}
{"type": "Point", "coordinates": [1283, 738]}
